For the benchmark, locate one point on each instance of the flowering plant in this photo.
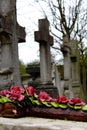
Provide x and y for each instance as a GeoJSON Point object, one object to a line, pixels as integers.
{"type": "Point", "coordinates": [28, 97]}
{"type": "Point", "coordinates": [15, 95]}
{"type": "Point", "coordinates": [76, 103]}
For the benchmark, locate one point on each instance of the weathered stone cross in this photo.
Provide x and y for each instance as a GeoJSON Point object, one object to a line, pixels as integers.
{"type": "Point", "coordinates": [46, 40]}
{"type": "Point", "coordinates": [10, 34]}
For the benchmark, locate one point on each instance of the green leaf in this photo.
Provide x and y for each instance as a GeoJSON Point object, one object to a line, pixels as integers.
{"type": "Point", "coordinates": [37, 102]}
{"type": "Point", "coordinates": [76, 107]}
{"type": "Point", "coordinates": [55, 104]}
{"type": "Point", "coordinates": [4, 99]}
{"type": "Point", "coordinates": [71, 106]}
{"type": "Point", "coordinates": [1, 101]}
{"type": "Point", "coordinates": [46, 104]}
{"type": "Point", "coordinates": [32, 100]}
{"type": "Point", "coordinates": [63, 106]}
{"type": "Point", "coordinates": [84, 108]}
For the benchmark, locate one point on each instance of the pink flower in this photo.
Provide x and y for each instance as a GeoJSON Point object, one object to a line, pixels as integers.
{"type": "Point", "coordinates": [76, 101]}
{"type": "Point", "coordinates": [43, 96]}
{"type": "Point", "coordinates": [30, 91]}
{"type": "Point", "coordinates": [62, 99]}
{"type": "Point", "coordinates": [17, 88]}
{"type": "Point", "coordinates": [17, 93]}
{"type": "Point", "coordinates": [5, 93]}
{"type": "Point", "coordinates": [21, 98]}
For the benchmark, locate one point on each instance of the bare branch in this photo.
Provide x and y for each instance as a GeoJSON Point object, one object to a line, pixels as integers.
{"type": "Point", "coordinates": [75, 15]}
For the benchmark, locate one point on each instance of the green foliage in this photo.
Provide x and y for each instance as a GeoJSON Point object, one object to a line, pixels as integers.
{"type": "Point", "coordinates": [22, 68]}
{"type": "Point", "coordinates": [4, 99]}
{"type": "Point", "coordinates": [84, 108]}
{"type": "Point", "coordinates": [55, 104]}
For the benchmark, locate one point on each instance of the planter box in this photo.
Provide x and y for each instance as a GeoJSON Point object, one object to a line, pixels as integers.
{"type": "Point", "coordinates": [53, 113]}
{"type": "Point", "coordinates": [13, 111]}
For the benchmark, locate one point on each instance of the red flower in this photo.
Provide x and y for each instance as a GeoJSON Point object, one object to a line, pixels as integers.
{"type": "Point", "coordinates": [43, 96]}
{"type": "Point", "coordinates": [62, 99]}
{"type": "Point", "coordinates": [76, 101]}
{"type": "Point", "coordinates": [30, 91]}
{"type": "Point", "coordinates": [5, 93]}
{"type": "Point", "coordinates": [17, 93]}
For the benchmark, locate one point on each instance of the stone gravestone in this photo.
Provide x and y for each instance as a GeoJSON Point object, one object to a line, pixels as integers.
{"type": "Point", "coordinates": [45, 41]}
{"type": "Point", "coordinates": [10, 34]}
{"type": "Point", "coordinates": [75, 68]}
{"type": "Point", "coordinates": [57, 80]}
{"type": "Point", "coordinates": [65, 48]}
{"type": "Point", "coordinates": [71, 67]}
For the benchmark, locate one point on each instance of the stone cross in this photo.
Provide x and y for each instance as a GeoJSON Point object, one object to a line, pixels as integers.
{"type": "Point", "coordinates": [46, 40]}
{"type": "Point", "coordinates": [10, 34]}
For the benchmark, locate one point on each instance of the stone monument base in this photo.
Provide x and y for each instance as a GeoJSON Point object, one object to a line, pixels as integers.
{"type": "Point", "coordinates": [49, 88]}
